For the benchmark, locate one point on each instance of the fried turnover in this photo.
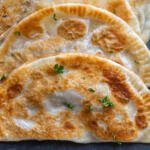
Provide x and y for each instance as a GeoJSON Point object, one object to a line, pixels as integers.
{"type": "Point", "coordinates": [12, 11]}
{"type": "Point", "coordinates": [76, 97]}
{"type": "Point", "coordinates": [142, 11]}
{"type": "Point", "coordinates": [74, 28]}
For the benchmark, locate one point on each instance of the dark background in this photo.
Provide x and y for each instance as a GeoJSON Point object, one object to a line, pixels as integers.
{"type": "Point", "coordinates": [63, 145]}
{"type": "Point", "coordinates": [53, 145]}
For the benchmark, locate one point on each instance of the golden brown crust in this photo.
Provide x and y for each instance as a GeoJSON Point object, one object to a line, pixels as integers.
{"type": "Point", "coordinates": [109, 39]}
{"type": "Point", "coordinates": [118, 8]}
{"type": "Point", "coordinates": [38, 82]}
{"type": "Point", "coordinates": [12, 12]}
{"type": "Point", "coordinates": [121, 130]}
{"type": "Point", "coordinates": [14, 90]}
{"type": "Point", "coordinates": [68, 125]}
{"type": "Point", "coordinates": [146, 98]}
{"type": "Point", "coordinates": [33, 33]}
{"type": "Point", "coordinates": [72, 29]}
{"type": "Point", "coordinates": [118, 85]}
{"type": "Point", "coordinates": [141, 122]}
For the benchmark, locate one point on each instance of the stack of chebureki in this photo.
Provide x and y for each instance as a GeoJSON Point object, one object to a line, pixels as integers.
{"type": "Point", "coordinates": [74, 71]}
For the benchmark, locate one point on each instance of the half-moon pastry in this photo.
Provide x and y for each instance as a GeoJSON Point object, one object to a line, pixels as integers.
{"type": "Point", "coordinates": [76, 97]}
{"type": "Point", "coordinates": [74, 28]}
{"type": "Point", "coordinates": [12, 11]}
{"type": "Point", "coordinates": [142, 11]}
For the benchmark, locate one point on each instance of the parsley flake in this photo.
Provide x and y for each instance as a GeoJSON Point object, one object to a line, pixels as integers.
{"type": "Point", "coordinates": [69, 105]}
{"type": "Point", "coordinates": [54, 17]}
{"type": "Point", "coordinates": [106, 102]}
{"type": "Point", "coordinates": [136, 62]}
{"type": "Point", "coordinates": [90, 107]}
{"type": "Point", "coordinates": [59, 69]}
{"type": "Point", "coordinates": [2, 77]}
{"type": "Point", "coordinates": [127, 50]}
{"type": "Point", "coordinates": [116, 141]}
{"type": "Point", "coordinates": [17, 33]}
{"type": "Point", "coordinates": [91, 90]}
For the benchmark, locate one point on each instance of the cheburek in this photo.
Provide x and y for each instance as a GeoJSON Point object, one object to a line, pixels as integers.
{"type": "Point", "coordinates": [12, 11]}
{"type": "Point", "coordinates": [74, 28]}
{"type": "Point", "coordinates": [142, 11]}
{"type": "Point", "coordinates": [76, 97]}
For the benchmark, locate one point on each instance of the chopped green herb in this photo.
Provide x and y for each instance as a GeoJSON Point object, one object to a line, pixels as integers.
{"type": "Point", "coordinates": [59, 69]}
{"type": "Point", "coordinates": [116, 141]}
{"type": "Point", "coordinates": [54, 17]}
{"type": "Point", "coordinates": [2, 77]}
{"type": "Point", "coordinates": [69, 105]}
{"type": "Point", "coordinates": [17, 33]}
{"type": "Point", "coordinates": [1, 40]}
{"type": "Point", "coordinates": [127, 50]}
{"type": "Point", "coordinates": [91, 90]}
{"type": "Point", "coordinates": [136, 62]}
{"type": "Point", "coordinates": [106, 102]}
{"type": "Point", "coordinates": [90, 107]}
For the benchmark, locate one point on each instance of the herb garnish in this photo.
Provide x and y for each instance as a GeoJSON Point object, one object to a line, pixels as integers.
{"type": "Point", "coordinates": [59, 69]}
{"type": "Point", "coordinates": [106, 101]}
{"type": "Point", "coordinates": [91, 90]}
{"type": "Point", "coordinates": [54, 17]}
{"type": "Point", "coordinates": [17, 33]}
{"type": "Point", "coordinates": [90, 107]}
{"type": "Point", "coordinates": [136, 62]}
{"type": "Point", "coordinates": [69, 105]}
{"type": "Point", "coordinates": [2, 77]}
{"type": "Point", "coordinates": [116, 141]}
{"type": "Point", "coordinates": [127, 50]}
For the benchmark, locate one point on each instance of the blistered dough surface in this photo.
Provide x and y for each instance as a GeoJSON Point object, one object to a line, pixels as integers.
{"type": "Point", "coordinates": [39, 103]}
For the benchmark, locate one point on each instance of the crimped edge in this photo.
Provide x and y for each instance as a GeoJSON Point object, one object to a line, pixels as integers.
{"type": "Point", "coordinates": [136, 46]}
{"type": "Point", "coordinates": [132, 79]}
